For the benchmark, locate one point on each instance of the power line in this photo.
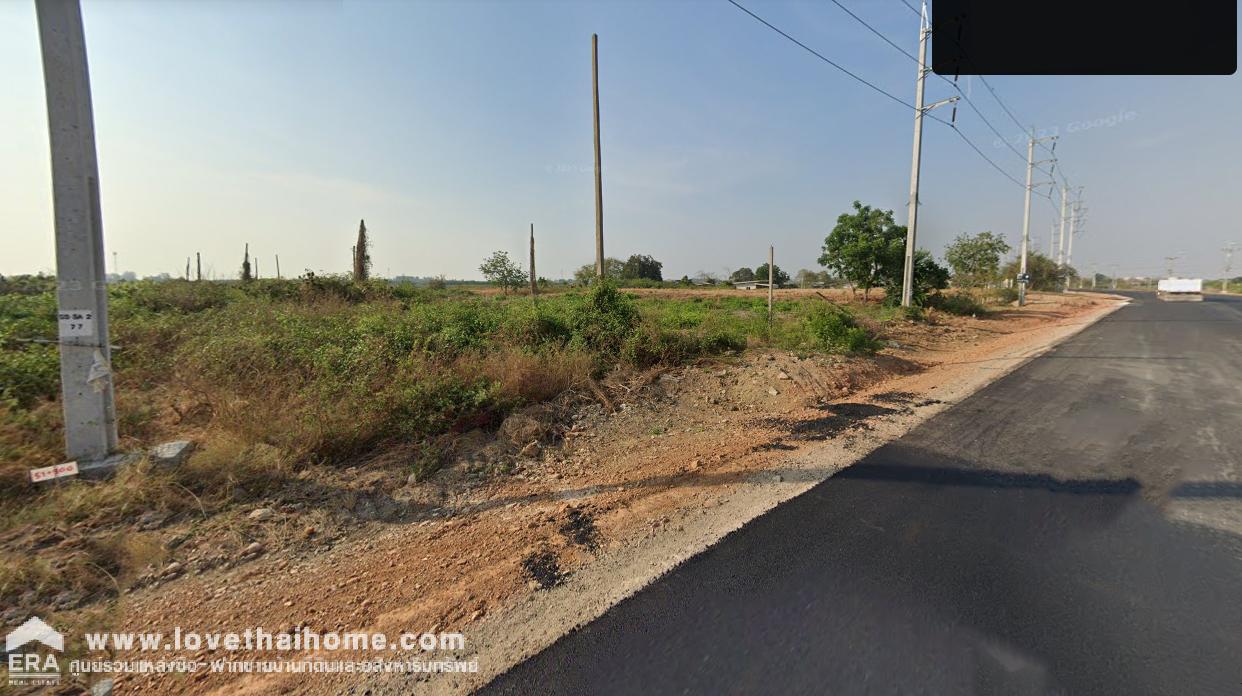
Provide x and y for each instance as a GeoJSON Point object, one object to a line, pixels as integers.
{"type": "Point", "coordinates": [875, 31]}
{"type": "Point", "coordinates": [890, 95]}
{"type": "Point", "coordinates": [998, 99]}
{"type": "Point", "coordinates": [952, 83]}
{"type": "Point", "coordinates": [982, 79]}
{"type": "Point", "coordinates": [979, 152]}
{"type": "Point", "coordinates": [820, 56]}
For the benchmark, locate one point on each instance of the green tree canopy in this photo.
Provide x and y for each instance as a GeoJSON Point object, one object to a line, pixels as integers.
{"type": "Point", "coordinates": [642, 266]}
{"type": "Point", "coordinates": [778, 276]}
{"type": "Point", "coordinates": [585, 275]}
{"type": "Point", "coordinates": [500, 270]}
{"type": "Point", "coordinates": [928, 277]}
{"type": "Point", "coordinates": [865, 247]}
{"type": "Point", "coordinates": [1044, 273]}
{"type": "Point", "coordinates": [975, 259]}
{"type": "Point", "coordinates": [742, 275]}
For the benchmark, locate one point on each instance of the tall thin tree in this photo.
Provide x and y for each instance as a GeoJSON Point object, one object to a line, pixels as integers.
{"type": "Point", "coordinates": [533, 289]}
{"type": "Point", "coordinates": [245, 272]}
{"type": "Point", "coordinates": [362, 255]}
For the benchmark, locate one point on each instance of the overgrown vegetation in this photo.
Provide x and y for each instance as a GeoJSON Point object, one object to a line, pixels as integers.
{"type": "Point", "coordinates": [270, 376]}
{"type": "Point", "coordinates": [324, 369]}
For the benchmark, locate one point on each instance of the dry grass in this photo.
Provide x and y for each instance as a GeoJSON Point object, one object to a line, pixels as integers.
{"type": "Point", "coordinates": [526, 377]}
{"type": "Point", "coordinates": [274, 378]}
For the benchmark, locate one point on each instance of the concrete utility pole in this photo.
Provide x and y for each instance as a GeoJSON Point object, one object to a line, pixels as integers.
{"type": "Point", "coordinates": [1224, 283]}
{"type": "Point", "coordinates": [1061, 241]}
{"type": "Point", "coordinates": [912, 214]}
{"type": "Point", "coordinates": [82, 294]}
{"type": "Point", "coordinates": [1026, 221]}
{"type": "Point", "coordinates": [771, 276]}
{"type": "Point", "coordinates": [1026, 211]}
{"type": "Point", "coordinates": [533, 289]}
{"type": "Point", "coordinates": [1075, 213]}
{"type": "Point", "coordinates": [599, 180]}
{"type": "Point", "coordinates": [198, 266]}
{"type": "Point", "coordinates": [116, 268]}
{"type": "Point", "coordinates": [277, 266]}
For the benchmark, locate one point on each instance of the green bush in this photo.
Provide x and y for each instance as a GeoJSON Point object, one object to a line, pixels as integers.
{"type": "Point", "coordinates": [29, 375]}
{"type": "Point", "coordinates": [835, 330]}
{"type": "Point", "coordinates": [535, 325]}
{"type": "Point", "coordinates": [602, 319]}
{"type": "Point", "coordinates": [1004, 296]}
{"type": "Point", "coordinates": [959, 303]}
{"type": "Point", "coordinates": [173, 295]}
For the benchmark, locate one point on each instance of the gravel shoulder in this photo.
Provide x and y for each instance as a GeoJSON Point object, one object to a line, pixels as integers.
{"type": "Point", "coordinates": [624, 489]}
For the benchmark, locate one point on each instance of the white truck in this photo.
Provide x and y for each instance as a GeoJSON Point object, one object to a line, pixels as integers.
{"type": "Point", "coordinates": [1183, 289]}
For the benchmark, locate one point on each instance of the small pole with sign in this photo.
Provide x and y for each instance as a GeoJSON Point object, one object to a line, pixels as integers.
{"type": "Point", "coordinates": [82, 291]}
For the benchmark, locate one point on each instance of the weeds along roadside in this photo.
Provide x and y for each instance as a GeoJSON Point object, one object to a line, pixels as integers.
{"type": "Point", "coordinates": [271, 375]}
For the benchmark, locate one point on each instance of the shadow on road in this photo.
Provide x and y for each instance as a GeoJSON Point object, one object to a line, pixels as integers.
{"type": "Point", "coordinates": [916, 573]}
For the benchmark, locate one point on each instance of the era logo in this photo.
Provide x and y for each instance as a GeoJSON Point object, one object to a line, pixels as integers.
{"type": "Point", "coordinates": [32, 669]}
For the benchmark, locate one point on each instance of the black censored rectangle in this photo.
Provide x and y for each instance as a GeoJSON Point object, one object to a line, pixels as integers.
{"type": "Point", "coordinates": [1084, 37]}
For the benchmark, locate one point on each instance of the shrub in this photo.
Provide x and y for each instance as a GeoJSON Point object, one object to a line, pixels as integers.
{"type": "Point", "coordinates": [535, 325]}
{"type": "Point", "coordinates": [28, 375]}
{"type": "Point", "coordinates": [960, 303]}
{"type": "Point", "coordinates": [1004, 296]}
{"type": "Point", "coordinates": [835, 330]}
{"type": "Point", "coordinates": [601, 320]}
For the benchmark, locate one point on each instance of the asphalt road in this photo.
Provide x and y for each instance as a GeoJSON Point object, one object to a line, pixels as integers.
{"type": "Point", "coordinates": [1021, 542]}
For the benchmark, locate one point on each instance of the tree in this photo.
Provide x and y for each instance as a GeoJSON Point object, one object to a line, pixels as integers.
{"type": "Point", "coordinates": [245, 269]}
{"type": "Point", "coordinates": [865, 248]}
{"type": "Point", "coordinates": [742, 275]}
{"type": "Point", "coordinates": [806, 278]}
{"type": "Point", "coordinates": [975, 259]}
{"type": "Point", "coordinates": [778, 276]}
{"type": "Point", "coordinates": [585, 275]}
{"type": "Point", "coordinates": [500, 270]}
{"type": "Point", "coordinates": [643, 267]}
{"type": "Point", "coordinates": [928, 276]}
{"type": "Point", "coordinates": [362, 254]}
{"type": "Point", "coordinates": [1043, 271]}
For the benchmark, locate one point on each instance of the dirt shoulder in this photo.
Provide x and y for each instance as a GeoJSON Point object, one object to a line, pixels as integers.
{"type": "Point", "coordinates": [619, 487]}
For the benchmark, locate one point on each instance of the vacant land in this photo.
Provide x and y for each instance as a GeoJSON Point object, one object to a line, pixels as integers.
{"type": "Point", "coordinates": [372, 455]}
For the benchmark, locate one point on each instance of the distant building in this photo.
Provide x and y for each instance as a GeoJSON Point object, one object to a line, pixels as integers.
{"type": "Point", "coordinates": [752, 285]}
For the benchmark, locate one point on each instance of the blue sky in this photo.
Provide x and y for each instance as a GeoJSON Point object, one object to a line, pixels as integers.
{"type": "Point", "coordinates": [451, 126]}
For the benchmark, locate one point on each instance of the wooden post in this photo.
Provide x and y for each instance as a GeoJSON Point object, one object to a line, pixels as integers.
{"type": "Point", "coordinates": [599, 184]}
{"type": "Point", "coordinates": [533, 289]}
{"type": "Point", "coordinates": [771, 275]}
